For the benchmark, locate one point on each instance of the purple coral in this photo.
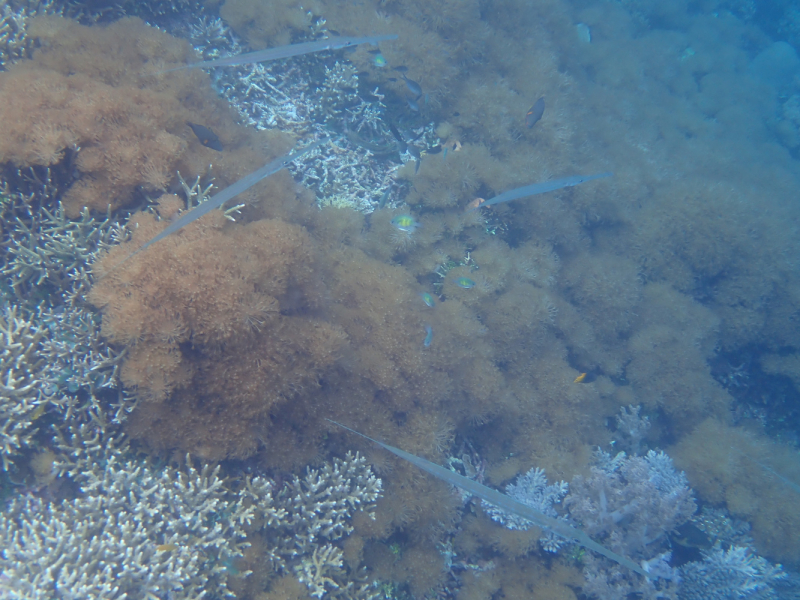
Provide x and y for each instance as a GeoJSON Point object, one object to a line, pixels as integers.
{"type": "Point", "coordinates": [635, 501]}
{"type": "Point", "coordinates": [630, 504]}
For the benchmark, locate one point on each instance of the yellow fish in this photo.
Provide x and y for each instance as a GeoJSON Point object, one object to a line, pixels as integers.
{"type": "Point", "coordinates": [580, 378]}
{"type": "Point", "coordinates": [166, 548]}
{"type": "Point", "coordinates": [38, 412]}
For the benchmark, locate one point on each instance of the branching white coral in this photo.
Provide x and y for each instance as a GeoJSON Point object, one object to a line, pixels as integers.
{"type": "Point", "coordinates": [320, 504]}
{"type": "Point", "coordinates": [44, 246]}
{"type": "Point", "coordinates": [132, 533]}
{"type": "Point", "coordinates": [20, 388]}
{"type": "Point", "coordinates": [733, 573]}
{"type": "Point", "coordinates": [315, 571]}
{"type": "Point", "coordinates": [532, 489]}
{"type": "Point", "coordinates": [137, 532]}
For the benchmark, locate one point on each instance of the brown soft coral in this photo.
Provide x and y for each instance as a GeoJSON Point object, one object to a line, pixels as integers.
{"type": "Point", "coordinates": [268, 28]}
{"type": "Point", "coordinates": [203, 313]}
{"type": "Point", "coordinates": [90, 101]}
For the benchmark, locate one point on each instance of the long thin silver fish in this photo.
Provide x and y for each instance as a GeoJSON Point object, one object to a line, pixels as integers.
{"type": "Point", "coordinates": [505, 503]}
{"type": "Point", "coordinates": [223, 196]}
{"type": "Point", "coordinates": [334, 43]}
{"type": "Point", "coordinates": [540, 188]}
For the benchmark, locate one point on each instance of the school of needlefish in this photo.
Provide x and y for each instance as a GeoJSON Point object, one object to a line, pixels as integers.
{"type": "Point", "coordinates": [405, 223]}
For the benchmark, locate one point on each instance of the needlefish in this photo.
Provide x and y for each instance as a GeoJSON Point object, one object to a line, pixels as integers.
{"type": "Point", "coordinates": [538, 188]}
{"type": "Point", "coordinates": [223, 196]}
{"type": "Point", "coordinates": [334, 43]}
{"type": "Point", "coordinates": [506, 503]}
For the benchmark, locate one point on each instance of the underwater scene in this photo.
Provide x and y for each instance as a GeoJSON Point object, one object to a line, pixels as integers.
{"type": "Point", "coordinates": [400, 299]}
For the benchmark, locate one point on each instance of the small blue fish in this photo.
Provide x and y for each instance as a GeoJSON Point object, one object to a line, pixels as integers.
{"type": "Point", "coordinates": [535, 113]}
{"type": "Point", "coordinates": [405, 223]}
{"type": "Point", "coordinates": [465, 282]}
{"type": "Point", "coordinates": [428, 299]}
{"type": "Point", "coordinates": [428, 336]}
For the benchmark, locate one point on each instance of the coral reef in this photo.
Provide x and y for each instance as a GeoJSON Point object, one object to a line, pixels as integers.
{"type": "Point", "coordinates": [54, 361]}
{"type": "Point", "coordinates": [732, 573]}
{"type": "Point", "coordinates": [239, 337]}
{"type": "Point", "coordinates": [359, 169]}
{"type": "Point", "coordinates": [15, 43]}
{"type": "Point", "coordinates": [44, 248]}
{"type": "Point", "coordinates": [87, 102]}
{"type": "Point", "coordinates": [21, 393]}
{"type": "Point", "coordinates": [158, 306]}
{"type": "Point", "coordinates": [135, 531]}
{"type": "Point", "coordinates": [633, 427]}
{"type": "Point", "coordinates": [730, 466]}
{"type": "Point", "coordinates": [630, 504]}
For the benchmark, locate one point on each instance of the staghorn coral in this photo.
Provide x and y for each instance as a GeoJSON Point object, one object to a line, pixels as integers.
{"type": "Point", "coordinates": [133, 532]}
{"type": "Point", "coordinates": [44, 248]}
{"type": "Point", "coordinates": [54, 360]}
{"type": "Point", "coordinates": [138, 532]}
{"type": "Point", "coordinates": [15, 43]}
{"type": "Point", "coordinates": [316, 511]}
{"type": "Point", "coordinates": [21, 389]}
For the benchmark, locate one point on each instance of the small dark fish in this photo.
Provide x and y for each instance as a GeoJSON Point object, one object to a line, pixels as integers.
{"type": "Point", "coordinates": [207, 137]}
{"type": "Point", "coordinates": [412, 104]}
{"type": "Point", "coordinates": [401, 143]}
{"type": "Point", "coordinates": [535, 113]}
{"type": "Point", "coordinates": [401, 69]}
{"type": "Point", "coordinates": [384, 197]}
{"type": "Point", "coordinates": [691, 536]}
{"type": "Point", "coordinates": [412, 86]}
{"type": "Point", "coordinates": [435, 150]}
{"type": "Point", "coordinates": [334, 32]}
